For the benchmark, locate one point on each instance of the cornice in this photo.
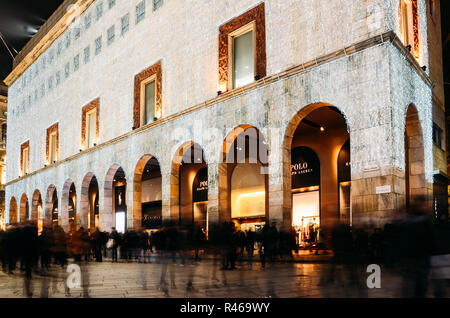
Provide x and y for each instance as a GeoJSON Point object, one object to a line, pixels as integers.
{"type": "Point", "coordinates": [47, 38]}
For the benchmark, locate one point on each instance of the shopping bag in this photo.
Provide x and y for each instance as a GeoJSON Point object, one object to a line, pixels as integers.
{"type": "Point", "coordinates": [110, 243]}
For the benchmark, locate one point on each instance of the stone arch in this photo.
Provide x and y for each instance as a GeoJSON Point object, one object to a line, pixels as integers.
{"type": "Point", "coordinates": [177, 160]}
{"type": "Point", "coordinates": [12, 211]}
{"type": "Point", "coordinates": [67, 195]}
{"type": "Point", "coordinates": [37, 202]}
{"type": "Point", "coordinates": [286, 154]}
{"type": "Point", "coordinates": [86, 212]}
{"type": "Point", "coordinates": [415, 180]}
{"type": "Point", "coordinates": [108, 214]}
{"type": "Point", "coordinates": [24, 208]}
{"type": "Point", "coordinates": [230, 158]}
{"type": "Point", "coordinates": [52, 195]}
{"type": "Point", "coordinates": [137, 188]}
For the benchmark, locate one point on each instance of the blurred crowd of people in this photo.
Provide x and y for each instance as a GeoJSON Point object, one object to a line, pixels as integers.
{"type": "Point", "coordinates": [412, 244]}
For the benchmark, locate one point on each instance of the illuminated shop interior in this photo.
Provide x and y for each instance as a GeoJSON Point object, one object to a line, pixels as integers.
{"type": "Point", "coordinates": [248, 180]}
{"type": "Point", "coordinates": [193, 181]}
{"type": "Point", "coordinates": [119, 200]}
{"type": "Point", "coordinates": [151, 199]}
{"type": "Point", "coordinates": [93, 219]}
{"type": "Point", "coordinates": [320, 174]}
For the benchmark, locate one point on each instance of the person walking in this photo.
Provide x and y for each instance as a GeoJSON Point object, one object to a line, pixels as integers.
{"type": "Point", "coordinates": [115, 237]}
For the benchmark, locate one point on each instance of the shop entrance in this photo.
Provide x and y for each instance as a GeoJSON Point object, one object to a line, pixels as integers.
{"type": "Point", "coordinates": [151, 198]}
{"type": "Point", "coordinates": [305, 171]}
{"type": "Point", "coordinates": [320, 174]}
{"type": "Point", "coordinates": [72, 208]}
{"type": "Point", "coordinates": [193, 188]}
{"type": "Point", "coordinates": [93, 218]}
{"type": "Point", "coordinates": [244, 178]}
{"type": "Point", "coordinates": [200, 199]}
{"type": "Point", "coordinates": [120, 201]}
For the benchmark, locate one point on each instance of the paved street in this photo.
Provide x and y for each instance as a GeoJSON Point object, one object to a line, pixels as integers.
{"type": "Point", "coordinates": [279, 280]}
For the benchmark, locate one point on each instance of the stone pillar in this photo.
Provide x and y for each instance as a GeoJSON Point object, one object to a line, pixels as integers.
{"type": "Point", "coordinates": [136, 197]}
{"type": "Point", "coordinates": [377, 195]}
{"type": "Point", "coordinates": [279, 181]}
{"type": "Point", "coordinates": [105, 211]}
{"type": "Point", "coordinates": [83, 209]}
{"type": "Point", "coordinates": [131, 222]}
{"type": "Point", "coordinates": [166, 198]}
{"type": "Point", "coordinates": [213, 195]}
{"type": "Point", "coordinates": [279, 196]}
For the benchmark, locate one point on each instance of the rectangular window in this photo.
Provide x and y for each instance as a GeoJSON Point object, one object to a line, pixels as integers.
{"type": "Point", "coordinates": [25, 161]}
{"type": "Point", "coordinates": [68, 39]}
{"type": "Point", "coordinates": [243, 64]}
{"type": "Point", "coordinates": [242, 49]}
{"type": "Point", "coordinates": [53, 145]}
{"type": "Point", "coordinates": [77, 33]}
{"type": "Point", "coordinates": [51, 56]}
{"type": "Point", "coordinates": [157, 4]}
{"type": "Point", "coordinates": [111, 34]}
{"type": "Point", "coordinates": [87, 53]}
{"type": "Point", "coordinates": [87, 21]}
{"type": "Point", "coordinates": [140, 12]}
{"type": "Point", "coordinates": [125, 23]}
{"type": "Point", "coordinates": [90, 124]}
{"type": "Point", "coordinates": [76, 62]}
{"type": "Point", "coordinates": [111, 3]}
{"type": "Point", "coordinates": [58, 78]}
{"type": "Point", "coordinates": [437, 136]}
{"type": "Point", "coordinates": [50, 84]}
{"type": "Point", "coordinates": [147, 95]}
{"type": "Point", "coordinates": [149, 103]}
{"type": "Point", "coordinates": [67, 70]}
{"type": "Point", "coordinates": [98, 45]}
{"type": "Point", "coordinates": [91, 128]}
{"type": "Point", "coordinates": [99, 11]}
{"type": "Point", "coordinates": [59, 48]}
{"type": "Point", "coordinates": [409, 25]}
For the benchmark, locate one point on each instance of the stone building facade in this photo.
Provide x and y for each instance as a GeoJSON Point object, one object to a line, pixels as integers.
{"type": "Point", "coordinates": [347, 55]}
{"type": "Point", "coordinates": [3, 113]}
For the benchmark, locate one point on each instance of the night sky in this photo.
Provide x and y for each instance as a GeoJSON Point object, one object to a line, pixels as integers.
{"type": "Point", "coordinates": [20, 19]}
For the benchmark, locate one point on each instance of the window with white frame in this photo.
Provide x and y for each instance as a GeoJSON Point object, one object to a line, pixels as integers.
{"type": "Point", "coordinates": [140, 11]}
{"type": "Point", "coordinates": [111, 34]}
{"type": "Point", "coordinates": [25, 160]}
{"type": "Point", "coordinates": [243, 55]}
{"type": "Point", "coordinates": [125, 21]}
{"type": "Point", "coordinates": [98, 45]}
{"type": "Point", "coordinates": [99, 10]}
{"type": "Point", "coordinates": [91, 128]}
{"type": "Point", "coordinates": [53, 146]}
{"type": "Point", "coordinates": [148, 100]}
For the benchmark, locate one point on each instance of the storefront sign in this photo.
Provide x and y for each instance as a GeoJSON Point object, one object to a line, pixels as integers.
{"type": "Point", "coordinates": [152, 215]}
{"type": "Point", "coordinates": [383, 189]}
{"type": "Point", "coordinates": [305, 168]}
{"type": "Point", "coordinates": [200, 186]}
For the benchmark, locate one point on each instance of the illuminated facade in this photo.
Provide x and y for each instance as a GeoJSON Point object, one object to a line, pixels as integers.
{"type": "Point", "coordinates": [3, 114]}
{"type": "Point", "coordinates": [130, 113]}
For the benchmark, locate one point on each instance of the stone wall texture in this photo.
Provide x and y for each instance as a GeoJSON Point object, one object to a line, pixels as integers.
{"type": "Point", "coordinates": [372, 87]}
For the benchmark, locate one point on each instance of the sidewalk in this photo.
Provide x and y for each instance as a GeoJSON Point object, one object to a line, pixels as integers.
{"type": "Point", "coordinates": [303, 256]}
